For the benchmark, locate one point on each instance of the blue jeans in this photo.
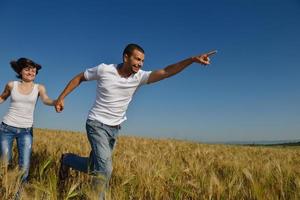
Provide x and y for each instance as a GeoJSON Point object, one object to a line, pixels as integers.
{"type": "Point", "coordinates": [24, 143]}
{"type": "Point", "coordinates": [102, 139]}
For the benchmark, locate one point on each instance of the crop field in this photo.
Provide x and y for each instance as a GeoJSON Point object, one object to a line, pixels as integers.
{"type": "Point", "coordinates": [161, 169]}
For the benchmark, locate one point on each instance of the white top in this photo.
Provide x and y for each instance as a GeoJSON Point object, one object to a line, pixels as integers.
{"type": "Point", "coordinates": [20, 111]}
{"type": "Point", "coordinates": [113, 93]}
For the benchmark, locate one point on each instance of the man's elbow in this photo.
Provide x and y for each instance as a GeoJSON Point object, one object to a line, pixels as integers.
{"type": "Point", "coordinates": [81, 77]}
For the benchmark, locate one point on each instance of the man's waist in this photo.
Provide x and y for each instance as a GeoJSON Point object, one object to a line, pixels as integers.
{"type": "Point", "coordinates": [106, 118]}
{"type": "Point", "coordinates": [118, 126]}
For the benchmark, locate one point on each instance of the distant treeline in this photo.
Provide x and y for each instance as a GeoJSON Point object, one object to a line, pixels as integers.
{"type": "Point", "coordinates": [278, 144]}
{"type": "Point", "coordinates": [285, 144]}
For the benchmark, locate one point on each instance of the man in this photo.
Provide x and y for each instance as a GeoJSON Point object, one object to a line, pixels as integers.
{"type": "Point", "coordinates": [116, 85]}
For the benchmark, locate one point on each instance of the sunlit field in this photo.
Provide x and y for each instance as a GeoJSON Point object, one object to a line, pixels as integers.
{"type": "Point", "coordinates": [161, 169]}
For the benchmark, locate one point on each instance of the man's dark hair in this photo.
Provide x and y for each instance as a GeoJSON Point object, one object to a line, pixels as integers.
{"type": "Point", "coordinates": [130, 48]}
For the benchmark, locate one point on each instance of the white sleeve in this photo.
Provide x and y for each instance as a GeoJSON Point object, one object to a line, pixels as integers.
{"type": "Point", "coordinates": [144, 77]}
{"type": "Point", "coordinates": [92, 73]}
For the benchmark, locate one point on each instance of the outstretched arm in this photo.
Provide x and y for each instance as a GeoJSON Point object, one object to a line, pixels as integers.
{"type": "Point", "coordinates": [173, 69]}
{"type": "Point", "coordinates": [6, 93]}
{"type": "Point", "coordinates": [43, 94]}
{"type": "Point", "coordinates": [75, 82]}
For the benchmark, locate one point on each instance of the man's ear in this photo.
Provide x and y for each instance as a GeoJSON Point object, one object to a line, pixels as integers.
{"type": "Point", "coordinates": [125, 58]}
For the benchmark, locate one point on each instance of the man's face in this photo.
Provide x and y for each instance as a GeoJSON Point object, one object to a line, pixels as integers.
{"type": "Point", "coordinates": [135, 61]}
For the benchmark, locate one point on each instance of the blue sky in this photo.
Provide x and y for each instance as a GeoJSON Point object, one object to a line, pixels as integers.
{"type": "Point", "coordinates": [250, 91]}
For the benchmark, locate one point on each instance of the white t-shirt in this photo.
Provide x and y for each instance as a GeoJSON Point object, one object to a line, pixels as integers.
{"type": "Point", "coordinates": [113, 93]}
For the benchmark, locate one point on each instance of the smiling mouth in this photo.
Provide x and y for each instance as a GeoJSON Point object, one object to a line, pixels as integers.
{"type": "Point", "coordinates": [135, 68]}
{"type": "Point", "coordinates": [30, 76]}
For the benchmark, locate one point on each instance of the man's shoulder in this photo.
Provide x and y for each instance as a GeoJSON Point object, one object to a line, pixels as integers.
{"type": "Point", "coordinates": [143, 72]}
{"type": "Point", "coordinates": [104, 66]}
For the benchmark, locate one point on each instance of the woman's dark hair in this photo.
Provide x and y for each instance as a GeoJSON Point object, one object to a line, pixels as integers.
{"type": "Point", "coordinates": [130, 48]}
{"type": "Point", "coordinates": [22, 63]}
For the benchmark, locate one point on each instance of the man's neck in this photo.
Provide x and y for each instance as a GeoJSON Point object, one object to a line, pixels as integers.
{"type": "Point", "coordinates": [124, 70]}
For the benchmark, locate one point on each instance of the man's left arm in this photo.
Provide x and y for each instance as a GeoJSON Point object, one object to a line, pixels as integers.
{"type": "Point", "coordinates": [173, 69]}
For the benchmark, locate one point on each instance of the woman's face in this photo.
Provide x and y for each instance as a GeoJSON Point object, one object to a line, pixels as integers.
{"type": "Point", "coordinates": [28, 74]}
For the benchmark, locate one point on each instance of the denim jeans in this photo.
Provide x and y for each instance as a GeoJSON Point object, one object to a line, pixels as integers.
{"type": "Point", "coordinates": [102, 139]}
{"type": "Point", "coordinates": [24, 143]}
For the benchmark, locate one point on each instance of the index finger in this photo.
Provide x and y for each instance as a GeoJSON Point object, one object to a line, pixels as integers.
{"type": "Point", "coordinates": [211, 53]}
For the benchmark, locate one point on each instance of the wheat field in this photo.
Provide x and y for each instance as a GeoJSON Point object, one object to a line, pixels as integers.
{"type": "Point", "coordinates": [165, 169]}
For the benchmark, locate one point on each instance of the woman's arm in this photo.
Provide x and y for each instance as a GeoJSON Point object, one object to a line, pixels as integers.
{"type": "Point", "coordinates": [6, 93]}
{"type": "Point", "coordinates": [43, 94]}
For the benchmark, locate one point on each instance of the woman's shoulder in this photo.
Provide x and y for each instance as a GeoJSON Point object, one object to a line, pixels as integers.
{"type": "Point", "coordinates": [40, 86]}
{"type": "Point", "coordinates": [10, 84]}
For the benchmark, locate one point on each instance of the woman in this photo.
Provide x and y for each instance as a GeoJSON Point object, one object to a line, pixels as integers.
{"type": "Point", "coordinates": [17, 123]}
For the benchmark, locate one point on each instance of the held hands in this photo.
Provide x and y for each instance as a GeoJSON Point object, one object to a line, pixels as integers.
{"type": "Point", "coordinates": [204, 58]}
{"type": "Point", "coordinates": [59, 105]}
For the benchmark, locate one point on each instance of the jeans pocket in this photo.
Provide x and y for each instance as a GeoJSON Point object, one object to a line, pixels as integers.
{"type": "Point", "coordinates": [114, 132]}
{"type": "Point", "coordinates": [3, 128]}
{"type": "Point", "coordinates": [29, 131]}
{"type": "Point", "coordinates": [93, 123]}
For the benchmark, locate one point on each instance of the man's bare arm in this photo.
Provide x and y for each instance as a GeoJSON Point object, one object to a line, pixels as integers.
{"type": "Point", "coordinates": [75, 82]}
{"type": "Point", "coordinates": [173, 69]}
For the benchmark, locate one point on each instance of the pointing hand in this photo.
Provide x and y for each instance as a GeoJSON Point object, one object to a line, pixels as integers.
{"type": "Point", "coordinates": [204, 58]}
